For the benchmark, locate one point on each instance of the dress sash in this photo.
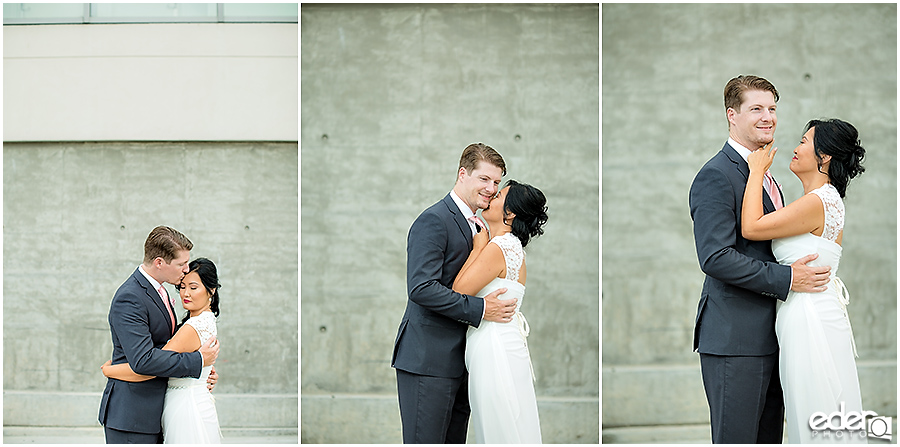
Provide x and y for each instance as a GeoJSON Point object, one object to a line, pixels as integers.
{"type": "Point", "coordinates": [524, 330]}
{"type": "Point", "coordinates": [844, 299]}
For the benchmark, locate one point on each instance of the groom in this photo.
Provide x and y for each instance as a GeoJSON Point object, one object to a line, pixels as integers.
{"type": "Point", "coordinates": [432, 383]}
{"type": "Point", "coordinates": [142, 320]}
{"type": "Point", "coordinates": [735, 327]}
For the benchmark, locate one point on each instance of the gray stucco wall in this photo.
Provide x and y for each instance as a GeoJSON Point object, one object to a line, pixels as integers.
{"type": "Point", "coordinates": [75, 217]}
{"type": "Point", "coordinates": [390, 96]}
{"type": "Point", "coordinates": [664, 70]}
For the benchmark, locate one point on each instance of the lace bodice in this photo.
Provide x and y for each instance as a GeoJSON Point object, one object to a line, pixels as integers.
{"type": "Point", "coordinates": [204, 324]}
{"type": "Point", "coordinates": [834, 211]}
{"type": "Point", "coordinates": [513, 253]}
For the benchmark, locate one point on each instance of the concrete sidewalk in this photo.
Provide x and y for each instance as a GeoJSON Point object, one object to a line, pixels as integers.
{"type": "Point", "coordinates": [94, 435]}
{"type": "Point", "coordinates": [688, 434]}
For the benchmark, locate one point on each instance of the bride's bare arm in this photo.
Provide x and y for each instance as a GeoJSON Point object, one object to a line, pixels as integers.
{"type": "Point", "coordinates": [123, 372]}
{"type": "Point", "coordinates": [485, 262]}
{"type": "Point", "coordinates": [804, 215]}
{"type": "Point", "coordinates": [479, 241]}
{"type": "Point", "coordinates": [480, 269]}
{"type": "Point", "coordinates": [185, 340]}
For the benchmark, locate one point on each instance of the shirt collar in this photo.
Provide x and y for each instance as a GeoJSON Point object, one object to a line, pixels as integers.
{"type": "Point", "coordinates": [156, 285]}
{"type": "Point", "coordinates": [466, 211]}
{"type": "Point", "coordinates": [740, 149]}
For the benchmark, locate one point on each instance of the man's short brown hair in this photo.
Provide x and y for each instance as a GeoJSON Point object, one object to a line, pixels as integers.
{"type": "Point", "coordinates": [476, 152]}
{"type": "Point", "coordinates": [165, 242]}
{"type": "Point", "coordinates": [735, 88]}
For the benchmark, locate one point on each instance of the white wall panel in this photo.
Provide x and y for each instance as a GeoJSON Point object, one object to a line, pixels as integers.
{"type": "Point", "coordinates": [150, 82]}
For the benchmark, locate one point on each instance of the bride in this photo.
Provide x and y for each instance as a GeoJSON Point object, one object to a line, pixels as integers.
{"type": "Point", "coordinates": [817, 353]}
{"type": "Point", "coordinates": [501, 388]}
{"type": "Point", "coordinates": [189, 412]}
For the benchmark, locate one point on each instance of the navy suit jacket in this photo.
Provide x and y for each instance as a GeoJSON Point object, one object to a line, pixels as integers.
{"type": "Point", "coordinates": [431, 340]}
{"type": "Point", "coordinates": [140, 325]}
{"type": "Point", "coordinates": [736, 315]}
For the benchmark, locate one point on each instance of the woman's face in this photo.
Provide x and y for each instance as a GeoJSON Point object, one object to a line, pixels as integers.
{"type": "Point", "coordinates": [194, 296]}
{"type": "Point", "coordinates": [805, 154]}
{"type": "Point", "coordinates": [494, 211]}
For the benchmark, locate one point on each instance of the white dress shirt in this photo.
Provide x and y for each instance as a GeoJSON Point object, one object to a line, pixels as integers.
{"type": "Point", "coordinates": [741, 150]}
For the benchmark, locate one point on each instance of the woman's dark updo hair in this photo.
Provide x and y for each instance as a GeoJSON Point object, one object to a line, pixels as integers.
{"type": "Point", "coordinates": [210, 279]}
{"type": "Point", "coordinates": [530, 207]}
{"type": "Point", "coordinates": [840, 140]}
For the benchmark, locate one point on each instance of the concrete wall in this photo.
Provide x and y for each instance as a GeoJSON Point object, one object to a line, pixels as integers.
{"type": "Point", "coordinates": [664, 69]}
{"type": "Point", "coordinates": [75, 217]}
{"type": "Point", "coordinates": [391, 95]}
{"type": "Point", "coordinates": [77, 211]}
{"type": "Point", "coordinates": [158, 82]}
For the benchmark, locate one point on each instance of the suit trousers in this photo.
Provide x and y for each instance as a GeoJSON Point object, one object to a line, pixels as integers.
{"type": "Point", "coordinates": [433, 410]}
{"type": "Point", "coordinates": [114, 436]}
{"type": "Point", "coordinates": [746, 405]}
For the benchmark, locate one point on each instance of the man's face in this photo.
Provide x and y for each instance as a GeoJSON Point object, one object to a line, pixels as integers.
{"type": "Point", "coordinates": [174, 271]}
{"type": "Point", "coordinates": [753, 125]}
{"type": "Point", "coordinates": [478, 187]}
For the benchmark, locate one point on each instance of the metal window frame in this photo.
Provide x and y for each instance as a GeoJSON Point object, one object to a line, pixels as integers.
{"type": "Point", "coordinates": [50, 20]}
{"type": "Point", "coordinates": [87, 19]}
{"type": "Point", "coordinates": [260, 19]}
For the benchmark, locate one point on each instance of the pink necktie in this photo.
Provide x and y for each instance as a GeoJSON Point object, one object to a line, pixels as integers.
{"type": "Point", "coordinates": [165, 297]}
{"type": "Point", "coordinates": [772, 189]}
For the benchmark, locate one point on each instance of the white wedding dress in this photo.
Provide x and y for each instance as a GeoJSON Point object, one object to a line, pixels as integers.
{"type": "Point", "coordinates": [817, 361]}
{"type": "Point", "coordinates": [189, 412]}
{"type": "Point", "coordinates": [501, 388]}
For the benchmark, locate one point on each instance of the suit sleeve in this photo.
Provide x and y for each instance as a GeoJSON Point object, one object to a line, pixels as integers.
{"type": "Point", "coordinates": [716, 231]}
{"type": "Point", "coordinates": [130, 322]}
{"type": "Point", "coordinates": [426, 252]}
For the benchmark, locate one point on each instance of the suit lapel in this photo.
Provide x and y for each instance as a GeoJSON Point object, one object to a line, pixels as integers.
{"type": "Point", "coordinates": [460, 221]}
{"type": "Point", "coordinates": [744, 169]}
{"type": "Point", "coordinates": [154, 297]}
